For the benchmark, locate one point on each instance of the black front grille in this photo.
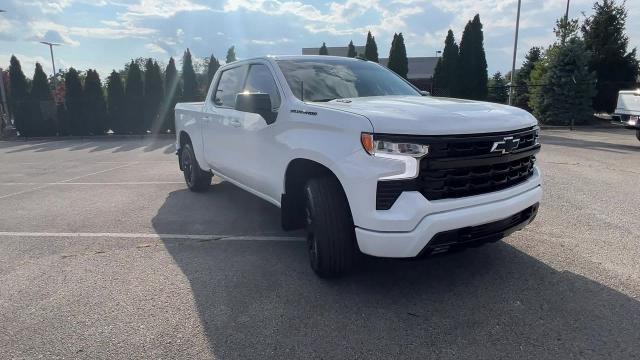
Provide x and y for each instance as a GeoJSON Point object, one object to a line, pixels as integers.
{"type": "Point", "coordinates": [459, 166]}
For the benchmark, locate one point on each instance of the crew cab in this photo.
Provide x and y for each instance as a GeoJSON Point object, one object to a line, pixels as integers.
{"type": "Point", "coordinates": [361, 159]}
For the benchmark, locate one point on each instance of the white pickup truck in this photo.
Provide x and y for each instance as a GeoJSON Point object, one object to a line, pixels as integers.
{"type": "Point", "coordinates": [628, 110]}
{"type": "Point", "coordinates": [361, 159]}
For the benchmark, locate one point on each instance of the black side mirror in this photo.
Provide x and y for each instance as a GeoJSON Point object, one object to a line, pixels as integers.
{"type": "Point", "coordinates": [256, 103]}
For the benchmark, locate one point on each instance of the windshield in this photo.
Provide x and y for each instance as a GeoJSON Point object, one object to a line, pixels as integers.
{"type": "Point", "coordinates": [326, 80]}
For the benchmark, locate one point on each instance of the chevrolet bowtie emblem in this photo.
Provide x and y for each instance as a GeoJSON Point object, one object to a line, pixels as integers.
{"type": "Point", "coordinates": [505, 146]}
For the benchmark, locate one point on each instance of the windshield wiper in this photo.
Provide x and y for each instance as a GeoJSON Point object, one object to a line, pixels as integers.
{"type": "Point", "coordinates": [324, 100]}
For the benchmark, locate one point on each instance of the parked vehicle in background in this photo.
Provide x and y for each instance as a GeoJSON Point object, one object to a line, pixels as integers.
{"type": "Point", "coordinates": [361, 159]}
{"type": "Point", "coordinates": [628, 110]}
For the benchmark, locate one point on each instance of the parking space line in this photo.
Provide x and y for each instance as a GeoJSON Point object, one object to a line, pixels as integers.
{"type": "Point", "coordinates": [65, 181]}
{"type": "Point", "coordinates": [152, 236]}
{"type": "Point", "coordinates": [96, 183]}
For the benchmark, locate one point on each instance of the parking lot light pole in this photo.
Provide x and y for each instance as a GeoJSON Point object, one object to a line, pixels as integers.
{"type": "Point", "coordinates": [515, 52]}
{"type": "Point", "coordinates": [53, 64]}
{"type": "Point", "coordinates": [4, 114]}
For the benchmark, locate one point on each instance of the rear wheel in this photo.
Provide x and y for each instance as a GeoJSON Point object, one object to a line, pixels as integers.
{"type": "Point", "coordinates": [330, 232]}
{"type": "Point", "coordinates": [196, 178]}
{"type": "Point", "coordinates": [638, 134]}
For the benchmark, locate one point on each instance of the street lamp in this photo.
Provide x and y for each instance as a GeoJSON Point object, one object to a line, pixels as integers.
{"type": "Point", "coordinates": [438, 52]}
{"type": "Point", "coordinates": [5, 108]}
{"type": "Point", "coordinates": [515, 51]}
{"type": "Point", "coordinates": [51, 45]}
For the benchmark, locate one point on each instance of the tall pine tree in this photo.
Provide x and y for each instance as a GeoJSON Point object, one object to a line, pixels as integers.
{"type": "Point", "coordinates": [19, 96]}
{"type": "Point", "coordinates": [351, 52]}
{"type": "Point", "coordinates": [522, 76]}
{"type": "Point", "coordinates": [473, 62]}
{"type": "Point", "coordinates": [615, 66]}
{"type": "Point", "coordinates": [42, 109]}
{"type": "Point", "coordinates": [231, 54]}
{"type": "Point", "coordinates": [323, 50]}
{"type": "Point", "coordinates": [568, 83]}
{"type": "Point", "coordinates": [446, 80]}
{"type": "Point", "coordinates": [212, 66]}
{"type": "Point", "coordinates": [134, 100]}
{"type": "Point", "coordinates": [116, 103]}
{"type": "Point", "coordinates": [371, 48]}
{"type": "Point", "coordinates": [498, 91]}
{"type": "Point", "coordinates": [74, 100]}
{"type": "Point", "coordinates": [189, 81]}
{"type": "Point", "coordinates": [172, 94]}
{"type": "Point", "coordinates": [95, 106]}
{"type": "Point", "coordinates": [153, 95]}
{"type": "Point", "coordinates": [398, 61]}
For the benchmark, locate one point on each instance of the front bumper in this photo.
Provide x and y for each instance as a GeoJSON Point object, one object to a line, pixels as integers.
{"type": "Point", "coordinates": [403, 244]}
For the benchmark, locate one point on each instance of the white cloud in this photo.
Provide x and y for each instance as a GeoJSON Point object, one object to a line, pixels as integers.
{"type": "Point", "coordinates": [162, 8]}
{"type": "Point", "coordinates": [154, 48]}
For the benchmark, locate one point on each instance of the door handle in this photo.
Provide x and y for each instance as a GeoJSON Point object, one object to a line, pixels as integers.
{"type": "Point", "coordinates": [206, 118]}
{"type": "Point", "coordinates": [235, 123]}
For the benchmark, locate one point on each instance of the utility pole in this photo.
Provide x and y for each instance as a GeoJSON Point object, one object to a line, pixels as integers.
{"type": "Point", "coordinates": [566, 13]}
{"type": "Point", "coordinates": [515, 52]}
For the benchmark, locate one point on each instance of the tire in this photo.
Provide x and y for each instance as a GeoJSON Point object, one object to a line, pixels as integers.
{"type": "Point", "coordinates": [196, 178]}
{"type": "Point", "coordinates": [331, 239]}
{"type": "Point", "coordinates": [638, 134]}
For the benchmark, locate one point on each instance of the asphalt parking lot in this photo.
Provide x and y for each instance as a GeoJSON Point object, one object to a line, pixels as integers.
{"type": "Point", "coordinates": [104, 253]}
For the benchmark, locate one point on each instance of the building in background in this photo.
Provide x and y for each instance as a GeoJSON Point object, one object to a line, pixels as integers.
{"type": "Point", "coordinates": [421, 69]}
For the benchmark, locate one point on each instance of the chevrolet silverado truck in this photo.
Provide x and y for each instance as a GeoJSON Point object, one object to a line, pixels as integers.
{"type": "Point", "coordinates": [361, 159]}
{"type": "Point", "coordinates": [628, 110]}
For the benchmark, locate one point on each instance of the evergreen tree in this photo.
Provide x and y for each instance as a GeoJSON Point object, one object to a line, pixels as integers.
{"type": "Point", "coordinates": [172, 94]}
{"type": "Point", "coordinates": [134, 100]}
{"type": "Point", "coordinates": [19, 96]}
{"type": "Point", "coordinates": [153, 95]}
{"type": "Point", "coordinates": [446, 72]}
{"type": "Point", "coordinates": [616, 67]}
{"type": "Point", "coordinates": [323, 49]}
{"type": "Point", "coordinates": [371, 48]}
{"type": "Point", "coordinates": [189, 82]}
{"type": "Point", "coordinates": [398, 61]}
{"type": "Point", "coordinates": [231, 54]}
{"type": "Point", "coordinates": [95, 106]}
{"type": "Point", "coordinates": [473, 62]}
{"type": "Point", "coordinates": [74, 100]}
{"type": "Point", "coordinates": [568, 83]}
{"type": "Point", "coordinates": [498, 91]}
{"type": "Point", "coordinates": [212, 66]}
{"type": "Point", "coordinates": [521, 90]}
{"type": "Point", "coordinates": [42, 107]}
{"type": "Point", "coordinates": [352, 50]}
{"type": "Point", "coordinates": [116, 103]}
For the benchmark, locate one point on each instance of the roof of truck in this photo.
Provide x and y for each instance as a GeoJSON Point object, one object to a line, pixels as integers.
{"type": "Point", "coordinates": [301, 57]}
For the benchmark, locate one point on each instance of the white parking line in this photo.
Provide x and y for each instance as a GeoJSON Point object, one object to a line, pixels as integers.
{"type": "Point", "coordinates": [64, 181]}
{"type": "Point", "coordinates": [96, 183]}
{"type": "Point", "coordinates": [153, 236]}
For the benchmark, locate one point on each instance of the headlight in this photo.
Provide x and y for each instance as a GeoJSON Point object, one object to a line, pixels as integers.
{"type": "Point", "coordinates": [407, 153]}
{"type": "Point", "coordinates": [382, 147]}
{"type": "Point", "coordinates": [536, 135]}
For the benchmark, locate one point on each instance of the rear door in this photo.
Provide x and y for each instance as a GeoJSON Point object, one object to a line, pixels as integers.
{"type": "Point", "coordinates": [221, 121]}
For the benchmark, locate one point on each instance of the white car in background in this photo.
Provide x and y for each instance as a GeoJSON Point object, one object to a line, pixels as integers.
{"type": "Point", "coordinates": [628, 109]}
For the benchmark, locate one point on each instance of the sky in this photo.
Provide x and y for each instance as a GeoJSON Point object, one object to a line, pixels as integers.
{"type": "Point", "coordinates": [104, 34]}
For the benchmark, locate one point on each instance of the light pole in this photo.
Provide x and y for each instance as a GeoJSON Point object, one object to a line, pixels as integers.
{"type": "Point", "coordinates": [433, 83]}
{"type": "Point", "coordinates": [438, 52]}
{"type": "Point", "coordinates": [515, 52]}
{"type": "Point", "coordinates": [53, 64]}
{"type": "Point", "coordinates": [5, 109]}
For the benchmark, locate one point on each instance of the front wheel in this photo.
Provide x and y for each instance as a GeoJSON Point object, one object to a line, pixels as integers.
{"type": "Point", "coordinates": [638, 134]}
{"type": "Point", "coordinates": [331, 239]}
{"type": "Point", "coordinates": [196, 178]}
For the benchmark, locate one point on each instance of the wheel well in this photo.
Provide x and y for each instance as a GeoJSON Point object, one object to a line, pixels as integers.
{"type": "Point", "coordinates": [299, 171]}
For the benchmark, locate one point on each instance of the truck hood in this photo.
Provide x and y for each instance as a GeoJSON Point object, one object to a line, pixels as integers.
{"type": "Point", "coordinates": [425, 115]}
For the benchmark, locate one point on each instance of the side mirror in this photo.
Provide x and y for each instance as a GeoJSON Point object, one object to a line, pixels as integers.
{"type": "Point", "coordinates": [256, 103]}
{"type": "Point", "coordinates": [425, 93]}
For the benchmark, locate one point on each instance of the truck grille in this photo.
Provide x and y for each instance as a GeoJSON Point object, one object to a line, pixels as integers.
{"type": "Point", "coordinates": [464, 165]}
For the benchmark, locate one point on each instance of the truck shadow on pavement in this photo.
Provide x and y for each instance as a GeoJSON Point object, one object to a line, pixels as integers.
{"type": "Point", "coordinates": [259, 299]}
